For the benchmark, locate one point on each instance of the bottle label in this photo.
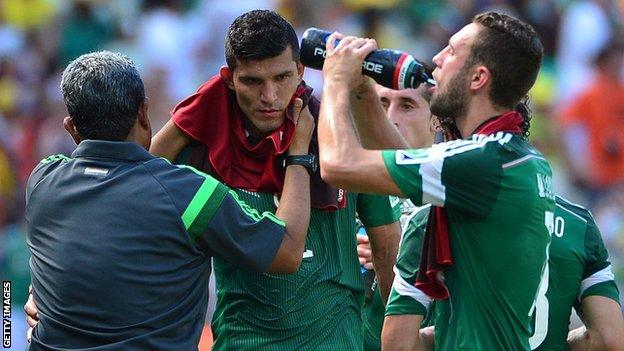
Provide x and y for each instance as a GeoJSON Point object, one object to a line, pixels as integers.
{"type": "Point", "coordinates": [401, 79]}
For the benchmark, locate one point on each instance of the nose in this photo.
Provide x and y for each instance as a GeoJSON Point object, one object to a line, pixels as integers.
{"type": "Point", "coordinates": [393, 114]}
{"type": "Point", "coordinates": [437, 59]}
{"type": "Point", "coordinates": [268, 94]}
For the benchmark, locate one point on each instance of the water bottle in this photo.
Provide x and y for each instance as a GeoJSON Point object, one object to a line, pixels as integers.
{"type": "Point", "coordinates": [390, 68]}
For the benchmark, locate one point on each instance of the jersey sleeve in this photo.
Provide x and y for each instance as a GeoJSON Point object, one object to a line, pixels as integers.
{"type": "Point", "coordinates": [404, 297]}
{"type": "Point", "coordinates": [462, 174]}
{"type": "Point", "coordinates": [219, 222]}
{"type": "Point", "coordinates": [598, 278]}
{"type": "Point", "coordinates": [377, 210]}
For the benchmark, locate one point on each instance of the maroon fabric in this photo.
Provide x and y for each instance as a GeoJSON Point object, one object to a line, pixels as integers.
{"type": "Point", "coordinates": [212, 117]}
{"type": "Point", "coordinates": [436, 254]}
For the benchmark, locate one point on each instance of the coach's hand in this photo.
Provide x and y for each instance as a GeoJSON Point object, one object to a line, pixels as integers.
{"type": "Point", "coordinates": [365, 254]}
{"type": "Point", "coordinates": [32, 315]}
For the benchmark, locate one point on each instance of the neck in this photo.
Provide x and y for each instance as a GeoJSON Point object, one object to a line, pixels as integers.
{"type": "Point", "coordinates": [253, 132]}
{"type": "Point", "coordinates": [479, 110]}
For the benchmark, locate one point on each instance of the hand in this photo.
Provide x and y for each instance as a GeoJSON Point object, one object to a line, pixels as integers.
{"type": "Point", "coordinates": [32, 314]}
{"type": "Point", "coordinates": [365, 254]}
{"type": "Point", "coordinates": [366, 88]}
{"type": "Point", "coordinates": [427, 337]}
{"type": "Point", "coordinates": [304, 127]}
{"type": "Point", "coordinates": [344, 61]}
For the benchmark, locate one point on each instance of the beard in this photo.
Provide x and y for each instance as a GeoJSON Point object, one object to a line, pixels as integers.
{"type": "Point", "coordinates": [452, 104]}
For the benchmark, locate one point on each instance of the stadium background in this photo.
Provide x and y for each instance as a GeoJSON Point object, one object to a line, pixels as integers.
{"type": "Point", "coordinates": [178, 44]}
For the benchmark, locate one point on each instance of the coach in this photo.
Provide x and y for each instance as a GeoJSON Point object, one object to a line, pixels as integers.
{"type": "Point", "coordinates": [121, 240]}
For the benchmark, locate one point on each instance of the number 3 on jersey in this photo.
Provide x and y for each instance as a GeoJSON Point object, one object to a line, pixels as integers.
{"type": "Point", "coordinates": [540, 305]}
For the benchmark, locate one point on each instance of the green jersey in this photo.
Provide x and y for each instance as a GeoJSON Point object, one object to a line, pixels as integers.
{"type": "Point", "coordinates": [499, 203]}
{"type": "Point", "coordinates": [317, 308]}
{"type": "Point", "coordinates": [404, 297]}
{"type": "Point", "coordinates": [579, 267]}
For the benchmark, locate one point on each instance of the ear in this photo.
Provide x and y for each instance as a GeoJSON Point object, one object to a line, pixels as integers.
{"type": "Point", "coordinates": [143, 117]}
{"type": "Point", "coordinates": [480, 78]}
{"type": "Point", "coordinates": [70, 127]}
{"type": "Point", "coordinates": [228, 76]}
{"type": "Point", "coordinates": [300, 70]}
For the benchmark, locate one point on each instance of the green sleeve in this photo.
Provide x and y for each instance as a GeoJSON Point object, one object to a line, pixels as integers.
{"type": "Point", "coordinates": [463, 174]}
{"type": "Point", "coordinates": [404, 297]}
{"type": "Point", "coordinates": [377, 210]}
{"type": "Point", "coordinates": [598, 277]}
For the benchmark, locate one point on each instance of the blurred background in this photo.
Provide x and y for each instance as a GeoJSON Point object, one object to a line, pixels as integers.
{"type": "Point", "coordinates": [577, 102]}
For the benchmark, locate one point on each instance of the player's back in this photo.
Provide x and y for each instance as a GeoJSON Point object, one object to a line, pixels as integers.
{"type": "Point", "coordinates": [578, 267]}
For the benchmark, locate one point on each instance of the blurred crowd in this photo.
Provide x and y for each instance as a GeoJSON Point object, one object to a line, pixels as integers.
{"type": "Point", "coordinates": [577, 103]}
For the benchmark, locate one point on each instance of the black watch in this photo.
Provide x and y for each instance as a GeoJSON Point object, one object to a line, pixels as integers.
{"type": "Point", "coordinates": [307, 161]}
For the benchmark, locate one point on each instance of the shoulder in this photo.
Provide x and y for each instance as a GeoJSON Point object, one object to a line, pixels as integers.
{"type": "Point", "coordinates": [478, 148]}
{"type": "Point", "coordinates": [47, 165]}
{"type": "Point", "coordinates": [183, 183]}
{"type": "Point", "coordinates": [416, 226]}
{"type": "Point", "coordinates": [573, 211]}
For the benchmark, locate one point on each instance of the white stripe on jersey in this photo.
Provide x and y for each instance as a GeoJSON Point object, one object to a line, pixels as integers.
{"type": "Point", "coordinates": [603, 275]}
{"type": "Point", "coordinates": [433, 191]}
{"type": "Point", "coordinates": [404, 288]}
{"type": "Point", "coordinates": [520, 160]}
{"type": "Point", "coordinates": [432, 160]}
{"type": "Point", "coordinates": [572, 213]}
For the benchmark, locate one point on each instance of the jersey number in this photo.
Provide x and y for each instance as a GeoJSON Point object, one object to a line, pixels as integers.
{"type": "Point", "coordinates": [540, 305]}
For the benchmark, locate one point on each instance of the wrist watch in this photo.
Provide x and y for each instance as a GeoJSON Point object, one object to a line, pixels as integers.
{"type": "Point", "coordinates": [307, 161]}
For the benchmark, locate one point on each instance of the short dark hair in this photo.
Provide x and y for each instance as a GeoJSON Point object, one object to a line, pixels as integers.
{"type": "Point", "coordinates": [512, 51]}
{"type": "Point", "coordinates": [258, 35]}
{"type": "Point", "coordinates": [103, 92]}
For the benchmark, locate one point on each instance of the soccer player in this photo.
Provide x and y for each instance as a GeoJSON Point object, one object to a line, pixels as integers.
{"type": "Point", "coordinates": [408, 110]}
{"type": "Point", "coordinates": [121, 240]}
{"type": "Point", "coordinates": [579, 276]}
{"type": "Point", "coordinates": [491, 191]}
{"type": "Point", "coordinates": [237, 127]}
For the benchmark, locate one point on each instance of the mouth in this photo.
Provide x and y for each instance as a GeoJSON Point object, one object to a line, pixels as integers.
{"type": "Point", "coordinates": [269, 113]}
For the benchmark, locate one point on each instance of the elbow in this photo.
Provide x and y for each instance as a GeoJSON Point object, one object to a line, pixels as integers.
{"type": "Point", "coordinates": [292, 263]}
{"type": "Point", "coordinates": [333, 170]}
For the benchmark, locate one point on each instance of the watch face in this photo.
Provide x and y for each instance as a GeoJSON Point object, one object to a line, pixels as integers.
{"type": "Point", "coordinates": [314, 164]}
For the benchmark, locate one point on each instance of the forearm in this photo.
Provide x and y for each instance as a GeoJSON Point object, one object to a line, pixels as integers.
{"type": "Point", "coordinates": [401, 333]}
{"type": "Point", "coordinates": [384, 242]}
{"type": "Point", "coordinates": [373, 127]}
{"type": "Point", "coordinates": [294, 210]}
{"type": "Point", "coordinates": [169, 142]}
{"type": "Point", "coordinates": [336, 135]}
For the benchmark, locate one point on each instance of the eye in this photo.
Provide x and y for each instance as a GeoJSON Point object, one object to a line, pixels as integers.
{"type": "Point", "coordinates": [282, 77]}
{"type": "Point", "coordinates": [385, 105]}
{"type": "Point", "coordinates": [407, 107]}
{"type": "Point", "coordinates": [250, 80]}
